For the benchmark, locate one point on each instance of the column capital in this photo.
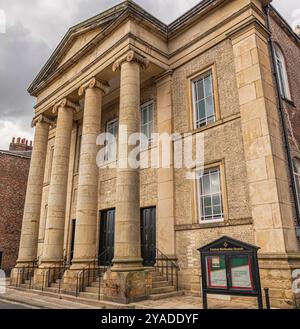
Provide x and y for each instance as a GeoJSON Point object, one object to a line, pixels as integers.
{"type": "Point", "coordinates": [94, 83]}
{"type": "Point", "coordinates": [131, 56]}
{"type": "Point", "coordinates": [66, 103]}
{"type": "Point", "coordinates": [41, 119]}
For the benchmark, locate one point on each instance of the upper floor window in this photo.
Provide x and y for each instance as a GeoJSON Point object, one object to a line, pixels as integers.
{"type": "Point", "coordinates": [203, 100]}
{"type": "Point", "coordinates": [51, 152]}
{"type": "Point", "coordinates": [210, 195]}
{"type": "Point", "coordinates": [147, 123]}
{"type": "Point", "coordinates": [111, 144]}
{"type": "Point", "coordinates": [282, 74]}
{"type": "Point", "coordinates": [78, 151]}
{"type": "Point", "coordinates": [297, 178]}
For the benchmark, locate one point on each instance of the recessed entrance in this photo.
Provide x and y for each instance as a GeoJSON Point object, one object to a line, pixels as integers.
{"type": "Point", "coordinates": [72, 242]}
{"type": "Point", "coordinates": [148, 236]}
{"type": "Point", "coordinates": [107, 237]}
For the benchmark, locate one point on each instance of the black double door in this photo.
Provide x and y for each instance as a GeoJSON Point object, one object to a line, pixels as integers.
{"type": "Point", "coordinates": [107, 237]}
{"type": "Point", "coordinates": [148, 236]}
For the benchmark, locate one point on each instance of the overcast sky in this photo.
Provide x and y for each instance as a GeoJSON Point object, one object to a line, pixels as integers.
{"type": "Point", "coordinates": [33, 30]}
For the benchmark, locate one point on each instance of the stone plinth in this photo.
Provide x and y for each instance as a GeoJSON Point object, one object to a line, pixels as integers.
{"type": "Point", "coordinates": [127, 287]}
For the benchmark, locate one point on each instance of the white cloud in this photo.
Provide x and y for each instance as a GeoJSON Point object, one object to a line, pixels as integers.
{"type": "Point", "coordinates": [11, 129]}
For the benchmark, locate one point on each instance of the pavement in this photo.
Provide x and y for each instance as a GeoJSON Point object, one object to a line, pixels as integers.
{"type": "Point", "coordinates": [8, 305]}
{"type": "Point", "coordinates": [18, 299]}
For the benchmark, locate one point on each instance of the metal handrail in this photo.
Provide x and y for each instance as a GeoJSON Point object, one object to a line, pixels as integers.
{"type": "Point", "coordinates": [167, 267]}
{"type": "Point", "coordinates": [92, 270]}
{"type": "Point", "coordinates": [26, 273]}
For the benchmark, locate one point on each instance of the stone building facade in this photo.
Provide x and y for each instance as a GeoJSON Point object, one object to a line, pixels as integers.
{"type": "Point", "coordinates": [14, 168]}
{"type": "Point", "coordinates": [210, 73]}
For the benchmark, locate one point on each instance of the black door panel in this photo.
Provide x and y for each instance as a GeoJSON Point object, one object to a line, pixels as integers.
{"type": "Point", "coordinates": [107, 237]}
{"type": "Point", "coordinates": [148, 236]}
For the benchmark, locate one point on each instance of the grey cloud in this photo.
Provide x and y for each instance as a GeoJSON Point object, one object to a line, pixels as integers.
{"type": "Point", "coordinates": [34, 29]}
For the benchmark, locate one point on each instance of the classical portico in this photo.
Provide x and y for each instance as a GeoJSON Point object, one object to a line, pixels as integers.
{"type": "Point", "coordinates": [110, 230]}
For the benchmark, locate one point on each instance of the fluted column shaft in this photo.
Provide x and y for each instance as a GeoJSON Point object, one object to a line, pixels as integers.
{"type": "Point", "coordinates": [54, 235]}
{"type": "Point", "coordinates": [87, 195]}
{"type": "Point", "coordinates": [32, 209]}
{"type": "Point", "coordinates": [127, 229]}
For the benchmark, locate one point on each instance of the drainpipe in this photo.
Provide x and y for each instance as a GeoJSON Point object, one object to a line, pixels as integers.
{"type": "Point", "coordinates": [284, 125]}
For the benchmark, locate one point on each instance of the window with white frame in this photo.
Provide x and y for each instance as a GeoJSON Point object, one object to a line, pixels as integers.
{"type": "Point", "coordinates": [147, 123]}
{"type": "Point", "coordinates": [111, 144]}
{"type": "Point", "coordinates": [297, 178]}
{"type": "Point", "coordinates": [282, 74]}
{"type": "Point", "coordinates": [210, 195]}
{"type": "Point", "coordinates": [203, 100]}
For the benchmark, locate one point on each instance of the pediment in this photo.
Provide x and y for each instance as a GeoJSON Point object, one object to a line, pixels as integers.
{"type": "Point", "coordinates": [76, 44]}
{"type": "Point", "coordinates": [81, 35]}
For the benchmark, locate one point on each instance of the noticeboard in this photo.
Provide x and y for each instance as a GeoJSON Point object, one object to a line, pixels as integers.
{"type": "Point", "coordinates": [230, 267]}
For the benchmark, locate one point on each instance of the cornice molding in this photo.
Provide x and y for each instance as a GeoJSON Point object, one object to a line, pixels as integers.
{"type": "Point", "coordinates": [131, 56]}
{"type": "Point", "coordinates": [41, 119]}
{"type": "Point", "coordinates": [94, 83]}
{"type": "Point", "coordinates": [66, 103]}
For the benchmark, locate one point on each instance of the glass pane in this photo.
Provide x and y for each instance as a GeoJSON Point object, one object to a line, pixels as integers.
{"type": "Point", "coordinates": [144, 117]}
{"type": "Point", "coordinates": [150, 112]}
{"type": "Point", "coordinates": [210, 111]}
{"type": "Point", "coordinates": [207, 201]}
{"type": "Point", "coordinates": [215, 183]}
{"type": "Point", "coordinates": [216, 272]}
{"type": "Point", "coordinates": [217, 212]}
{"type": "Point", "coordinates": [216, 200]}
{"type": "Point", "coordinates": [241, 275]}
{"type": "Point", "coordinates": [206, 185]}
{"type": "Point", "coordinates": [201, 114]}
{"type": "Point", "coordinates": [208, 86]}
{"type": "Point", "coordinates": [200, 90]}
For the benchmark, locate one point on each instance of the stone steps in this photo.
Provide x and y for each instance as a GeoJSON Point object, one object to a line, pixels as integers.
{"type": "Point", "coordinates": [90, 295]}
{"type": "Point", "coordinates": [158, 279]}
{"type": "Point", "coordinates": [96, 284]}
{"type": "Point", "coordinates": [54, 290]}
{"type": "Point", "coordinates": [166, 295]}
{"type": "Point", "coordinates": [162, 290]}
{"type": "Point", "coordinates": [160, 284]}
{"type": "Point", "coordinates": [94, 290]}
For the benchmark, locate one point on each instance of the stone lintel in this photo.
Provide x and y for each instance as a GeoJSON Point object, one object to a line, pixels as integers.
{"type": "Point", "coordinates": [131, 56]}
{"type": "Point", "coordinates": [94, 83]}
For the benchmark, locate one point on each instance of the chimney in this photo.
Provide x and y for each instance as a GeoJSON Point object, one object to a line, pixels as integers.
{"type": "Point", "coordinates": [20, 145]}
{"type": "Point", "coordinates": [297, 30]}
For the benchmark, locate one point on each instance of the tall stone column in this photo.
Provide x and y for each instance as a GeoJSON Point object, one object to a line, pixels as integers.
{"type": "Point", "coordinates": [127, 280]}
{"type": "Point", "coordinates": [87, 197]}
{"type": "Point", "coordinates": [31, 216]}
{"type": "Point", "coordinates": [54, 235]}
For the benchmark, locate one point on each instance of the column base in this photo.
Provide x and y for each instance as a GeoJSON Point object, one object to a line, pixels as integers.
{"type": "Point", "coordinates": [276, 272]}
{"type": "Point", "coordinates": [15, 276]}
{"type": "Point", "coordinates": [22, 267]}
{"type": "Point", "coordinates": [41, 278]}
{"type": "Point", "coordinates": [127, 264]}
{"type": "Point", "coordinates": [127, 287]}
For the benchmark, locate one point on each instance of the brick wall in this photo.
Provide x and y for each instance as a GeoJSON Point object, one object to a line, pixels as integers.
{"type": "Point", "coordinates": [13, 179]}
{"type": "Point", "coordinates": [290, 48]}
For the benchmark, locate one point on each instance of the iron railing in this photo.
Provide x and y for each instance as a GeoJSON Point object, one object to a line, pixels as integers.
{"type": "Point", "coordinates": [94, 270]}
{"type": "Point", "coordinates": [167, 268]}
{"type": "Point", "coordinates": [53, 274]}
{"type": "Point", "coordinates": [26, 273]}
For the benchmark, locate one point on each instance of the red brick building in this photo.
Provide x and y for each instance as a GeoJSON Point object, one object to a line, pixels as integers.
{"type": "Point", "coordinates": [14, 168]}
{"type": "Point", "coordinates": [286, 47]}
